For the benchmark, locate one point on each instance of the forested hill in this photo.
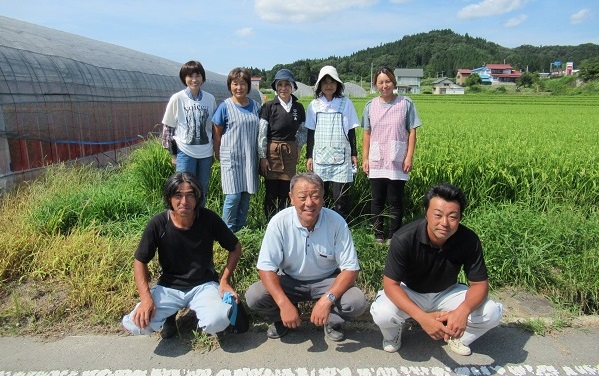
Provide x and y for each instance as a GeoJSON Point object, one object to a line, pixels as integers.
{"type": "Point", "coordinates": [439, 53]}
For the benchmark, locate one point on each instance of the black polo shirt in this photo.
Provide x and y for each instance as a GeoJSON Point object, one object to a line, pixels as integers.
{"type": "Point", "coordinates": [424, 268]}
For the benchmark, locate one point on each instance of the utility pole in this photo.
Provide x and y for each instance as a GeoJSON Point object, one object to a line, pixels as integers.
{"type": "Point", "coordinates": [371, 90]}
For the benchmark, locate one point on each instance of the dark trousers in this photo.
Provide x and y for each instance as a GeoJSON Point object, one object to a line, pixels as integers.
{"type": "Point", "coordinates": [276, 197]}
{"type": "Point", "coordinates": [348, 306]}
{"type": "Point", "coordinates": [337, 197]}
{"type": "Point", "coordinates": [386, 191]}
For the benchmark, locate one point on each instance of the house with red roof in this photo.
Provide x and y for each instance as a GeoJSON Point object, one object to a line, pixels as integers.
{"type": "Point", "coordinates": [491, 74]}
{"type": "Point", "coordinates": [462, 76]}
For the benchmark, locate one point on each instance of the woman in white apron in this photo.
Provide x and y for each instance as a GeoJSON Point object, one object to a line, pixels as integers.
{"type": "Point", "coordinates": [331, 149]}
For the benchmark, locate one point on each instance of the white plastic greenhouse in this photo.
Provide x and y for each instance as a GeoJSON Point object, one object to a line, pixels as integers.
{"type": "Point", "coordinates": [65, 97]}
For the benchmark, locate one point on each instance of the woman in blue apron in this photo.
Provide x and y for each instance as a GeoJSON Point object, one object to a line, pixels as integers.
{"type": "Point", "coordinates": [236, 122]}
{"type": "Point", "coordinates": [331, 148]}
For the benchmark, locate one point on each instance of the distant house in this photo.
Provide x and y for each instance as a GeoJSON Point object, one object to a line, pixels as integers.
{"type": "Point", "coordinates": [493, 74]}
{"type": "Point", "coordinates": [446, 86]}
{"type": "Point", "coordinates": [462, 76]}
{"type": "Point", "coordinates": [485, 75]}
{"type": "Point", "coordinates": [256, 82]}
{"type": "Point", "coordinates": [408, 80]}
{"type": "Point", "coordinates": [503, 73]}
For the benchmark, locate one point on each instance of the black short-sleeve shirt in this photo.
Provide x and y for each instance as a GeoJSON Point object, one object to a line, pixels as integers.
{"type": "Point", "coordinates": [185, 255]}
{"type": "Point", "coordinates": [413, 260]}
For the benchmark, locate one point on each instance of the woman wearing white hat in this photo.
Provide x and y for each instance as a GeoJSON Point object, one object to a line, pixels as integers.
{"type": "Point", "coordinates": [331, 151]}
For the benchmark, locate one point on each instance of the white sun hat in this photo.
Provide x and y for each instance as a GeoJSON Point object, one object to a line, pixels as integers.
{"type": "Point", "coordinates": [331, 71]}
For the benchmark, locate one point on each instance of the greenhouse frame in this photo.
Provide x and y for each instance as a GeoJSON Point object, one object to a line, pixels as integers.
{"type": "Point", "coordinates": [64, 97]}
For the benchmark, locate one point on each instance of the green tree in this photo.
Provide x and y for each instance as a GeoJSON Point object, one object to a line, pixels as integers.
{"type": "Point", "coordinates": [472, 80]}
{"type": "Point", "coordinates": [439, 52]}
{"type": "Point", "coordinates": [589, 69]}
{"type": "Point", "coordinates": [527, 79]}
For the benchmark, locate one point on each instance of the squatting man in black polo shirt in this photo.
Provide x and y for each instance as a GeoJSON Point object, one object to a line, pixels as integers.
{"type": "Point", "coordinates": [421, 274]}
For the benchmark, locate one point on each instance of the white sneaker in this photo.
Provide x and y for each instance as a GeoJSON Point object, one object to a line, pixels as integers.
{"type": "Point", "coordinates": [392, 345]}
{"type": "Point", "coordinates": [456, 345]}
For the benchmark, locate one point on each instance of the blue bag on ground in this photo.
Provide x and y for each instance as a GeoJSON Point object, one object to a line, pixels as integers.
{"type": "Point", "coordinates": [239, 318]}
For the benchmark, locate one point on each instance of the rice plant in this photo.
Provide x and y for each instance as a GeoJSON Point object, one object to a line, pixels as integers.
{"type": "Point", "coordinates": [528, 166]}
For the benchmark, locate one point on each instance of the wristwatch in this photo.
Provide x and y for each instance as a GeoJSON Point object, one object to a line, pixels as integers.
{"type": "Point", "coordinates": [331, 297]}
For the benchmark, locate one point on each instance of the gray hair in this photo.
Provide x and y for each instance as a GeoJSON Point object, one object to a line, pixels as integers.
{"type": "Point", "coordinates": [310, 177]}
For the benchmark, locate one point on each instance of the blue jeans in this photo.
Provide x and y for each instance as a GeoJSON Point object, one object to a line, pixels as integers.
{"type": "Point", "coordinates": [201, 168]}
{"type": "Point", "coordinates": [204, 300]}
{"type": "Point", "coordinates": [235, 210]}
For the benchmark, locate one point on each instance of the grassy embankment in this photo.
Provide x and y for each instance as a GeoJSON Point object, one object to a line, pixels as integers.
{"type": "Point", "coordinates": [529, 166]}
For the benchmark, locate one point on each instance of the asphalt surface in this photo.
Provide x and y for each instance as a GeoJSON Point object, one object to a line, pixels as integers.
{"type": "Point", "coordinates": [505, 350]}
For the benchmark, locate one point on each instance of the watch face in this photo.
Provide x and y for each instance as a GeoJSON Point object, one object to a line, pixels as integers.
{"type": "Point", "coordinates": [331, 297]}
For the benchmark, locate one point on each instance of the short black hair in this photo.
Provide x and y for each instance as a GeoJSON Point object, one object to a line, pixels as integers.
{"type": "Point", "coordinates": [447, 192]}
{"type": "Point", "coordinates": [190, 68]}
{"type": "Point", "coordinates": [174, 181]}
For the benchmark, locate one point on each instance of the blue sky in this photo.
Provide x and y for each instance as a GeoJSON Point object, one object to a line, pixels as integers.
{"type": "Point", "coordinates": [224, 34]}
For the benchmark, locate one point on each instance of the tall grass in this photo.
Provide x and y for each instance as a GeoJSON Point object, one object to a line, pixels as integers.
{"type": "Point", "coordinates": [527, 165]}
{"type": "Point", "coordinates": [83, 196]}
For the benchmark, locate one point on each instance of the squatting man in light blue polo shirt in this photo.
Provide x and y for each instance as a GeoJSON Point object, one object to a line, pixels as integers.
{"type": "Point", "coordinates": [307, 254]}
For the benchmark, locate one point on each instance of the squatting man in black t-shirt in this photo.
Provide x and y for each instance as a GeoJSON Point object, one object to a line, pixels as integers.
{"type": "Point", "coordinates": [421, 273]}
{"type": "Point", "coordinates": [184, 235]}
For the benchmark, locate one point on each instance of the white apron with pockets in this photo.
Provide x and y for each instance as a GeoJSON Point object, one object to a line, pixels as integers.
{"type": "Point", "coordinates": [332, 153]}
{"type": "Point", "coordinates": [239, 150]}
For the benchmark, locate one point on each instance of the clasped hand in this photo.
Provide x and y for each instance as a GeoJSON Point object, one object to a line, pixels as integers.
{"type": "Point", "coordinates": [445, 325]}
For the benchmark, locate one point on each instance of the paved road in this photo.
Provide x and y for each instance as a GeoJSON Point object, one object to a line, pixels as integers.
{"type": "Point", "coordinates": [505, 350]}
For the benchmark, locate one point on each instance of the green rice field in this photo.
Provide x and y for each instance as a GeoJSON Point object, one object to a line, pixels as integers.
{"type": "Point", "coordinates": [529, 166]}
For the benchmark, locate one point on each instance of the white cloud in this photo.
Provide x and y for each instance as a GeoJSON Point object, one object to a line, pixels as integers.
{"type": "Point", "coordinates": [488, 8]}
{"type": "Point", "coordinates": [244, 32]}
{"type": "Point", "coordinates": [296, 11]}
{"type": "Point", "coordinates": [580, 16]}
{"type": "Point", "coordinates": [399, 1]}
{"type": "Point", "coordinates": [515, 21]}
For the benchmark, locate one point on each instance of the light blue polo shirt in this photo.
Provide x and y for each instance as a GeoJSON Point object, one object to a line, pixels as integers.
{"type": "Point", "coordinates": [305, 255]}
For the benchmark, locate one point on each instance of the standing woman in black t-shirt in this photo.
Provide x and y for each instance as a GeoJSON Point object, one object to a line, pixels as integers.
{"type": "Point", "coordinates": [282, 135]}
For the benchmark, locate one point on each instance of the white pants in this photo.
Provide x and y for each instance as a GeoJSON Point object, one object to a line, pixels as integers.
{"type": "Point", "coordinates": [204, 300]}
{"type": "Point", "coordinates": [390, 319]}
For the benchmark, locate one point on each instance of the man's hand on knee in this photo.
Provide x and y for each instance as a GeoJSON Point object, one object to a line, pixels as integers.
{"type": "Point", "coordinates": [290, 316]}
{"type": "Point", "coordinates": [144, 313]}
